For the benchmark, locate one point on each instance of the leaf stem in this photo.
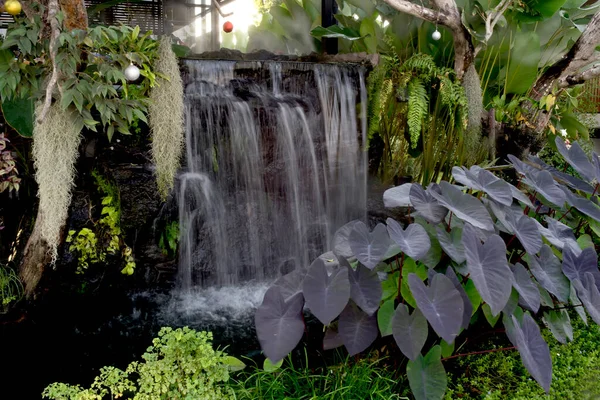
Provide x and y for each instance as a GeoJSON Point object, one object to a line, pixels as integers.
{"type": "Point", "coordinates": [400, 279]}
{"type": "Point", "coordinates": [450, 222]}
{"type": "Point", "coordinates": [479, 352]}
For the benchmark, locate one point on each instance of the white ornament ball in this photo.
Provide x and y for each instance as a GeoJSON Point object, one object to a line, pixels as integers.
{"type": "Point", "coordinates": [132, 73]}
{"type": "Point", "coordinates": [436, 35]}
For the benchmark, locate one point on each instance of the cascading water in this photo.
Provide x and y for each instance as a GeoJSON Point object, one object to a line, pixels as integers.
{"type": "Point", "coordinates": [274, 165]}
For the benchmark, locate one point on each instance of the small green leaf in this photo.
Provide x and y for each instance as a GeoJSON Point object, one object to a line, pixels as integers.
{"type": "Point", "coordinates": [473, 295]}
{"type": "Point", "coordinates": [384, 317]}
{"type": "Point", "coordinates": [487, 311]}
{"type": "Point", "coordinates": [447, 349]}
{"type": "Point", "coordinates": [585, 241]}
{"type": "Point", "coordinates": [427, 376]}
{"type": "Point", "coordinates": [268, 366]}
{"type": "Point", "coordinates": [234, 364]}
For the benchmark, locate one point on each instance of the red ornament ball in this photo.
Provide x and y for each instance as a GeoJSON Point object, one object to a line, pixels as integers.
{"type": "Point", "coordinates": [227, 27]}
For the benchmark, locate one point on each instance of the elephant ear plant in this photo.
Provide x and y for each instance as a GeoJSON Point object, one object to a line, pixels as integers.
{"type": "Point", "coordinates": [522, 253]}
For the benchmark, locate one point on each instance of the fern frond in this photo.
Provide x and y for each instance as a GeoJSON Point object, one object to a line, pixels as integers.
{"type": "Point", "coordinates": [418, 106]}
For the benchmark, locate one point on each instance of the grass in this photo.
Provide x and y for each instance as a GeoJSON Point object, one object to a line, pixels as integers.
{"type": "Point", "coordinates": [496, 376]}
{"type": "Point", "coordinates": [362, 379]}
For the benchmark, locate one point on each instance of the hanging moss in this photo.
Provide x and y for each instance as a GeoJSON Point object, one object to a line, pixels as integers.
{"type": "Point", "coordinates": [165, 117]}
{"type": "Point", "coordinates": [473, 143]}
{"type": "Point", "coordinates": [55, 143]}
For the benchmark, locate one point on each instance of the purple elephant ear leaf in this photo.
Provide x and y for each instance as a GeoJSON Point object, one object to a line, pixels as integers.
{"type": "Point", "coordinates": [521, 167]}
{"type": "Point", "coordinates": [525, 228]}
{"type": "Point", "coordinates": [589, 295]}
{"type": "Point", "coordinates": [341, 244]}
{"type": "Point", "coordinates": [528, 234]}
{"type": "Point", "coordinates": [426, 205]}
{"type": "Point", "coordinates": [464, 206]}
{"type": "Point", "coordinates": [468, 306]}
{"type": "Point", "coordinates": [558, 234]}
{"type": "Point", "coordinates": [535, 354]}
{"type": "Point", "coordinates": [559, 324]}
{"type": "Point", "coordinates": [596, 162]}
{"type": "Point", "coordinates": [451, 242]}
{"type": "Point", "coordinates": [522, 197]}
{"type": "Point", "coordinates": [488, 268]}
{"type": "Point", "coordinates": [326, 296]}
{"type": "Point", "coordinates": [427, 376]}
{"type": "Point", "coordinates": [357, 329]}
{"type": "Point", "coordinates": [365, 288]}
{"type": "Point", "coordinates": [398, 196]}
{"type": "Point", "coordinates": [479, 179]}
{"type": "Point", "coordinates": [577, 305]}
{"type": "Point", "coordinates": [575, 267]}
{"type": "Point", "coordinates": [544, 184]}
{"type": "Point", "coordinates": [369, 247]}
{"type": "Point", "coordinates": [440, 303]}
{"type": "Point", "coordinates": [560, 176]}
{"type": "Point", "coordinates": [584, 205]}
{"type": "Point", "coordinates": [332, 339]}
{"type": "Point", "coordinates": [414, 241]}
{"type": "Point", "coordinates": [528, 291]}
{"type": "Point", "coordinates": [547, 270]}
{"type": "Point", "coordinates": [279, 323]}
{"type": "Point", "coordinates": [577, 158]}
{"type": "Point", "coordinates": [410, 331]}
{"type": "Point", "coordinates": [290, 284]}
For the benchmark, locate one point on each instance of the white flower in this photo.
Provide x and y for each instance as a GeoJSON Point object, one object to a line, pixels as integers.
{"type": "Point", "coordinates": [563, 132]}
{"type": "Point", "coordinates": [112, 148]}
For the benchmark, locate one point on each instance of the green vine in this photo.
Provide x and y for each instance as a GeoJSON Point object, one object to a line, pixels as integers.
{"type": "Point", "coordinates": [94, 245]}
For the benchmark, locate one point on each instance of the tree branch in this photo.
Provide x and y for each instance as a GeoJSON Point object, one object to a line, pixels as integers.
{"type": "Point", "coordinates": [567, 69]}
{"type": "Point", "coordinates": [53, 9]}
{"type": "Point", "coordinates": [418, 11]}
{"type": "Point", "coordinates": [492, 18]}
{"type": "Point", "coordinates": [581, 77]}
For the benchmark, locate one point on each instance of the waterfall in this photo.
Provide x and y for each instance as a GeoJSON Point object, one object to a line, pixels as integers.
{"type": "Point", "coordinates": [274, 165]}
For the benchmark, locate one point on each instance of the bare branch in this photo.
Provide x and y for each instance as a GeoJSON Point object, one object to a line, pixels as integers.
{"type": "Point", "coordinates": [492, 18]}
{"type": "Point", "coordinates": [54, 33]}
{"type": "Point", "coordinates": [568, 69]}
{"type": "Point", "coordinates": [571, 80]}
{"type": "Point", "coordinates": [418, 11]}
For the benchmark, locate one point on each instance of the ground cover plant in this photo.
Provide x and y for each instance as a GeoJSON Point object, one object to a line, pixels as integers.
{"type": "Point", "coordinates": [521, 253]}
{"type": "Point", "coordinates": [500, 375]}
{"type": "Point", "coordinates": [365, 378]}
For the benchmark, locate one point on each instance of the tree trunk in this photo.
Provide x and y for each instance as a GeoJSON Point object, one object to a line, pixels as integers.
{"type": "Point", "coordinates": [37, 252]}
{"type": "Point", "coordinates": [35, 257]}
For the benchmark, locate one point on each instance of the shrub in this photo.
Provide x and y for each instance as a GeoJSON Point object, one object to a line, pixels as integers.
{"type": "Point", "coordinates": [180, 364]}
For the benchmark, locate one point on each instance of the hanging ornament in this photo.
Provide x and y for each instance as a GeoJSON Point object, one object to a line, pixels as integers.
{"type": "Point", "coordinates": [436, 35]}
{"type": "Point", "coordinates": [227, 27]}
{"type": "Point", "coordinates": [13, 7]}
{"type": "Point", "coordinates": [132, 72]}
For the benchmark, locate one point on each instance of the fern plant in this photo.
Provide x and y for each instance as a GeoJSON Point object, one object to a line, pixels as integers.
{"type": "Point", "coordinates": [418, 116]}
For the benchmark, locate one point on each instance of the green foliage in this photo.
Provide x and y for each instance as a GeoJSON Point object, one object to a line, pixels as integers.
{"type": "Point", "coordinates": [90, 64]}
{"type": "Point", "coordinates": [11, 288]}
{"type": "Point", "coordinates": [93, 245]}
{"type": "Point", "coordinates": [180, 364]}
{"type": "Point", "coordinates": [9, 175]}
{"type": "Point", "coordinates": [350, 379]}
{"type": "Point", "coordinates": [169, 238]}
{"type": "Point", "coordinates": [500, 375]}
{"type": "Point", "coordinates": [418, 113]}
{"type": "Point", "coordinates": [486, 250]}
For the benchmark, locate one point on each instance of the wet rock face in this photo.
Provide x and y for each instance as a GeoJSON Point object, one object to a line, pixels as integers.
{"type": "Point", "coordinates": [126, 164]}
